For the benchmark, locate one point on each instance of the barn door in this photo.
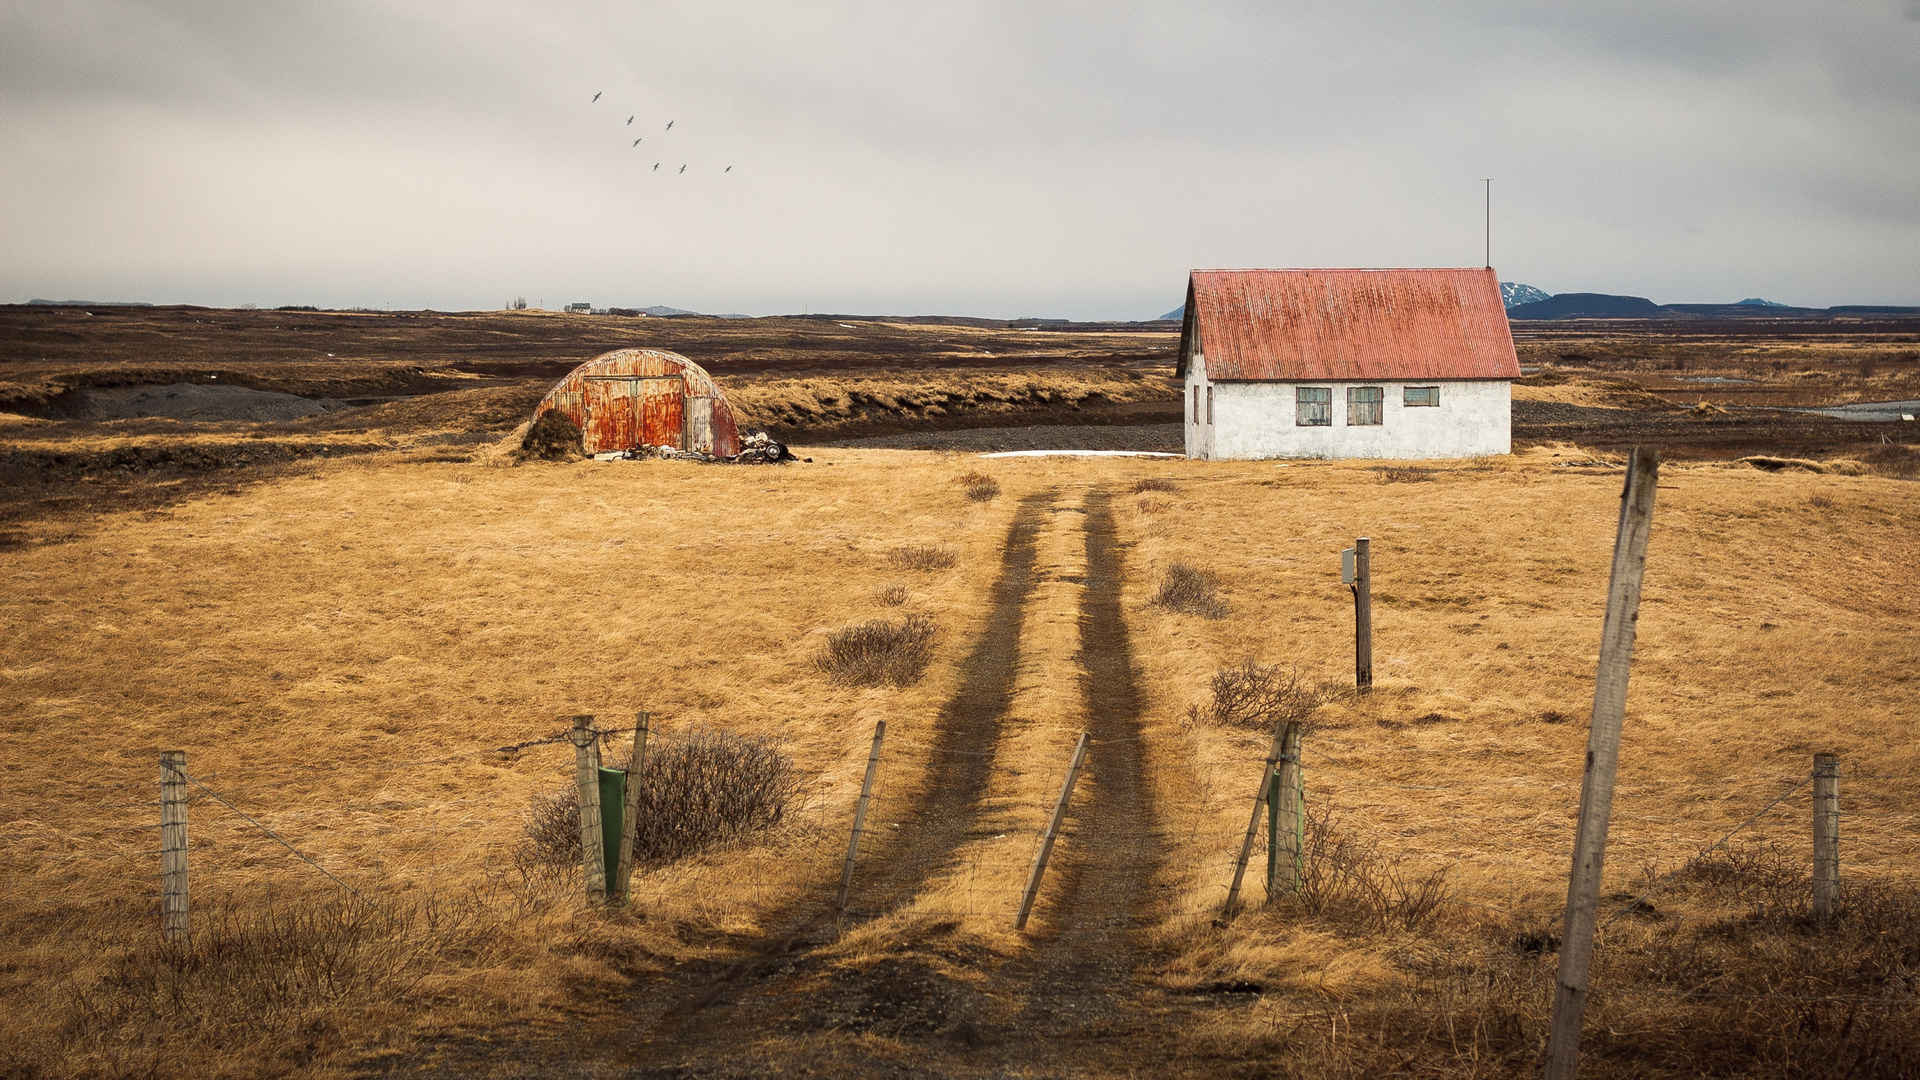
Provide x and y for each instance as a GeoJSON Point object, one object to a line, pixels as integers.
{"type": "Point", "coordinates": [663, 410]}
{"type": "Point", "coordinates": [608, 421]}
{"type": "Point", "coordinates": [625, 411]}
{"type": "Point", "coordinates": [700, 424]}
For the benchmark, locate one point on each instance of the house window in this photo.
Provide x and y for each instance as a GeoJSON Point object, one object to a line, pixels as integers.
{"type": "Point", "coordinates": [1421, 396]}
{"type": "Point", "coordinates": [1209, 404]}
{"type": "Point", "coordinates": [1313, 406]}
{"type": "Point", "coordinates": [1363, 405]}
{"type": "Point", "coordinates": [1196, 404]}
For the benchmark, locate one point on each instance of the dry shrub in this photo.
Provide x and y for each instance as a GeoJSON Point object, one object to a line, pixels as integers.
{"type": "Point", "coordinates": [277, 985]}
{"type": "Point", "coordinates": [1349, 883]}
{"type": "Point", "coordinates": [879, 652]}
{"type": "Point", "coordinates": [1190, 592]}
{"type": "Point", "coordinates": [1897, 461]}
{"type": "Point", "coordinates": [1153, 483]}
{"type": "Point", "coordinates": [697, 791]}
{"type": "Point", "coordinates": [921, 557]}
{"type": "Point", "coordinates": [1404, 474]}
{"type": "Point", "coordinates": [1768, 463]}
{"type": "Point", "coordinates": [979, 486]}
{"type": "Point", "coordinates": [1820, 502]}
{"type": "Point", "coordinates": [893, 595]}
{"type": "Point", "coordinates": [552, 437]}
{"type": "Point", "coordinates": [1151, 505]}
{"type": "Point", "coordinates": [1258, 697]}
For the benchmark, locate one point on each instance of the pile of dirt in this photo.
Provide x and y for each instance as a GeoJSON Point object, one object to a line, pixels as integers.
{"type": "Point", "coordinates": [552, 437]}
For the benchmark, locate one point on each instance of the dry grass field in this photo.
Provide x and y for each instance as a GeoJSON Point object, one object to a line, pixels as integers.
{"type": "Point", "coordinates": [338, 646]}
{"type": "Point", "coordinates": [341, 614]}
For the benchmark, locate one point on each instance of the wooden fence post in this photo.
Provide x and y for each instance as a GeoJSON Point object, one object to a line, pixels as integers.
{"type": "Point", "coordinates": [1826, 834]}
{"type": "Point", "coordinates": [1253, 822]}
{"type": "Point", "coordinates": [586, 777]}
{"type": "Point", "coordinates": [1603, 755]}
{"type": "Point", "coordinates": [173, 845]}
{"type": "Point", "coordinates": [860, 812]}
{"type": "Point", "coordinates": [1286, 818]}
{"type": "Point", "coordinates": [1363, 614]}
{"type": "Point", "coordinates": [629, 822]}
{"type": "Point", "coordinates": [1053, 829]}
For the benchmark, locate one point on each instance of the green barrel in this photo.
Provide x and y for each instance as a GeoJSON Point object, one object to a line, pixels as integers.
{"type": "Point", "coordinates": [613, 806]}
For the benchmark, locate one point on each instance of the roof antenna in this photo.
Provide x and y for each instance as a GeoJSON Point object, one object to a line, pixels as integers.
{"type": "Point", "coordinates": [1488, 180]}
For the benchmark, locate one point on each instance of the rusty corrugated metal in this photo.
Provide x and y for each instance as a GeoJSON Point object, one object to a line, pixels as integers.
{"type": "Point", "coordinates": [1336, 325]}
{"type": "Point", "coordinates": [633, 397]}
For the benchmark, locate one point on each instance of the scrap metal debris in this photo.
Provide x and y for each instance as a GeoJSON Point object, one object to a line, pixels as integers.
{"type": "Point", "coordinates": [756, 448]}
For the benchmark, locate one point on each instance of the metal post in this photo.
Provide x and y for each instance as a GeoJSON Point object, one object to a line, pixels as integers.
{"type": "Point", "coordinates": [1603, 755]}
{"type": "Point", "coordinates": [1363, 614]}
{"type": "Point", "coordinates": [173, 845]}
{"type": "Point", "coordinates": [1826, 834]}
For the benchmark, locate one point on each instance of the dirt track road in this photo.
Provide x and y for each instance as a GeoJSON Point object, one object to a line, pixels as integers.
{"type": "Point", "coordinates": [1071, 1003]}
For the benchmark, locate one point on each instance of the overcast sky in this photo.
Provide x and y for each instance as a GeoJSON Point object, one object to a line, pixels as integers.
{"type": "Point", "coordinates": [994, 159]}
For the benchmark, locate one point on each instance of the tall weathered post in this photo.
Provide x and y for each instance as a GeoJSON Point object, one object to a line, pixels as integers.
{"type": "Point", "coordinates": [586, 777]}
{"type": "Point", "coordinates": [1286, 818]}
{"type": "Point", "coordinates": [1603, 755]}
{"type": "Point", "coordinates": [173, 845]}
{"type": "Point", "coordinates": [622, 887]}
{"type": "Point", "coordinates": [860, 812]}
{"type": "Point", "coordinates": [1826, 834]}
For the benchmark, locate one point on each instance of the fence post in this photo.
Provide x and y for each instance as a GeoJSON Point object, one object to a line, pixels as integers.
{"type": "Point", "coordinates": [1826, 834]}
{"type": "Point", "coordinates": [1603, 754]}
{"type": "Point", "coordinates": [860, 812]}
{"type": "Point", "coordinates": [173, 845]}
{"type": "Point", "coordinates": [1053, 829]}
{"type": "Point", "coordinates": [623, 868]}
{"type": "Point", "coordinates": [1286, 818]}
{"type": "Point", "coordinates": [1253, 822]}
{"type": "Point", "coordinates": [586, 777]}
{"type": "Point", "coordinates": [1363, 614]}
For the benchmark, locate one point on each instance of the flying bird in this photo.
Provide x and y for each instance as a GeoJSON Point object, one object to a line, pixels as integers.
{"type": "Point", "coordinates": [629, 121]}
{"type": "Point", "coordinates": [636, 142]}
{"type": "Point", "coordinates": [669, 125]}
{"type": "Point", "coordinates": [656, 166]}
{"type": "Point", "coordinates": [728, 169]}
{"type": "Point", "coordinates": [683, 168]}
{"type": "Point", "coordinates": [596, 96]}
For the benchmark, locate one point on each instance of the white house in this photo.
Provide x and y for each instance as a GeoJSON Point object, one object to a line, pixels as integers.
{"type": "Point", "coordinates": [1346, 364]}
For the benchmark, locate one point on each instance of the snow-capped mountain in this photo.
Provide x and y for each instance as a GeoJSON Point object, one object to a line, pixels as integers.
{"type": "Point", "coordinates": [1514, 293]}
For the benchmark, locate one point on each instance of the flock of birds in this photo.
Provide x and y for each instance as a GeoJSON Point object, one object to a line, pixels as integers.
{"type": "Point", "coordinates": [643, 138]}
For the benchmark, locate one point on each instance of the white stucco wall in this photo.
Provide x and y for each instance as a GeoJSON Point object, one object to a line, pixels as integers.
{"type": "Point", "coordinates": [1256, 420]}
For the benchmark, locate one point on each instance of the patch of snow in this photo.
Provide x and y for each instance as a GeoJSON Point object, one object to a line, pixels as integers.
{"type": "Point", "coordinates": [1081, 453]}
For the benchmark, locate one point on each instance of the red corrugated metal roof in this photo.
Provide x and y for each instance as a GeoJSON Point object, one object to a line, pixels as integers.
{"type": "Point", "coordinates": [1331, 325]}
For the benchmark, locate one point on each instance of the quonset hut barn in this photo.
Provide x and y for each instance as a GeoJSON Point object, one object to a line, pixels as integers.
{"type": "Point", "coordinates": [1346, 364]}
{"type": "Point", "coordinates": [644, 397]}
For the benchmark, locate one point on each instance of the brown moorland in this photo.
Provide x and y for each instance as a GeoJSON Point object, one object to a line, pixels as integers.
{"type": "Point", "coordinates": [339, 616]}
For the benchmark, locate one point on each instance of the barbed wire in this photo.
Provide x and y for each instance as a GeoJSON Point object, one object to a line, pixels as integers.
{"type": "Point", "coordinates": [1637, 901]}
{"type": "Point", "coordinates": [182, 774]}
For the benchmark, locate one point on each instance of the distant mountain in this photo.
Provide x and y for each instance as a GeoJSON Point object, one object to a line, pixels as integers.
{"type": "Point", "coordinates": [1586, 305]}
{"type": "Point", "coordinates": [1176, 314]}
{"type": "Point", "coordinates": [662, 309]}
{"type": "Point", "coordinates": [1754, 301]}
{"type": "Point", "coordinates": [1514, 293]}
{"type": "Point", "coordinates": [36, 301]}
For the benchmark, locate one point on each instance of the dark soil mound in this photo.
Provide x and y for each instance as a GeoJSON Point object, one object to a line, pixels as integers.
{"type": "Point", "coordinates": [552, 437]}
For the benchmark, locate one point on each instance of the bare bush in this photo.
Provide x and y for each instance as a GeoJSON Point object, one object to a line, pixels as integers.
{"type": "Point", "coordinates": [1190, 592]}
{"type": "Point", "coordinates": [893, 595]}
{"type": "Point", "coordinates": [1152, 483]}
{"type": "Point", "coordinates": [921, 557]}
{"type": "Point", "coordinates": [1258, 697]}
{"type": "Point", "coordinates": [552, 437]}
{"type": "Point", "coordinates": [879, 652]}
{"type": "Point", "coordinates": [979, 486]}
{"type": "Point", "coordinates": [697, 791]}
{"type": "Point", "coordinates": [1352, 884]}
{"type": "Point", "coordinates": [1405, 474]}
{"type": "Point", "coordinates": [1151, 505]}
